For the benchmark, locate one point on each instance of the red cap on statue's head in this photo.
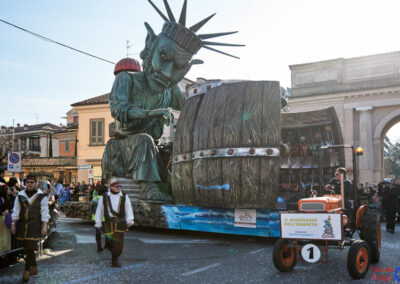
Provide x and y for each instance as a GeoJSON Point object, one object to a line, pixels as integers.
{"type": "Point", "coordinates": [127, 64]}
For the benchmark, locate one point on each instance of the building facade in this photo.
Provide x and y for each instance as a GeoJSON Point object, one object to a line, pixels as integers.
{"type": "Point", "coordinates": [365, 92]}
{"type": "Point", "coordinates": [93, 133]}
{"type": "Point", "coordinates": [40, 150]}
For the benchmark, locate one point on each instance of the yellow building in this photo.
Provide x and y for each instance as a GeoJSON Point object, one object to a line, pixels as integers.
{"type": "Point", "coordinates": [93, 134]}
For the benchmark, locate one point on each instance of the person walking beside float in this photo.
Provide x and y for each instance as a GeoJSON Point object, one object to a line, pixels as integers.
{"type": "Point", "coordinates": [29, 222]}
{"type": "Point", "coordinates": [116, 209]}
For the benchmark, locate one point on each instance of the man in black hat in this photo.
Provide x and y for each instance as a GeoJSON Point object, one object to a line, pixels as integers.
{"type": "Point", "coordinates": [348, 189]}
{"type": "Point", "coordinates": [29, 222]}
{"type": "Point", "coordinates": [390, 205]}
{"type": "Point", "coordinates": [116, 208]}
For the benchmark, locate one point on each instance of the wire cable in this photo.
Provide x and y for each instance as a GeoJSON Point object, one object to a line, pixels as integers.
{"type": "Point", "coordinates": [56, 42]}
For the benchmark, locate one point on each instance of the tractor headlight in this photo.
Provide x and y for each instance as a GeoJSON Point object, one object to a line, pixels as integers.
{"type": "Point", "coordinates": [345, 220]}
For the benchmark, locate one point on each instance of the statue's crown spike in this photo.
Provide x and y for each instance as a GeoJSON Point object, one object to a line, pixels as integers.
{"type": "Point", "coordinates": [182, 18]}
{"type": "Point", "coordinates": [158, 11]}
{"type": "Point", "coordinates": [170, 14]}
{"type": "Point", "coordinates": [198, 26]}
{"type": "Point", "coordinates": [186, 37]}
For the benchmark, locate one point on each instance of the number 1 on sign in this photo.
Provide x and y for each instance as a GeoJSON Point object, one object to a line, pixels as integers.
{"type": "Point", "coordinates": [311, 250]}
{"type": "Point", "coordinates": [311, 253]}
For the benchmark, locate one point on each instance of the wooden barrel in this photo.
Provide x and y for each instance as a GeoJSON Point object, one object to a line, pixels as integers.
{"type": "Point", "coordinates": [226, 145]}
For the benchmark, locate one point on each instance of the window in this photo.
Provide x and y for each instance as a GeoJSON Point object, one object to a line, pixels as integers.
{"type": "Point", "coordinates": [66, 146]}
{"type": "Point", "coordinates": [96, 131]}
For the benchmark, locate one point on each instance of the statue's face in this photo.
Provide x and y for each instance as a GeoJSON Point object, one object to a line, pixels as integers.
{"type": "Point", "coordinates": [169, 64]}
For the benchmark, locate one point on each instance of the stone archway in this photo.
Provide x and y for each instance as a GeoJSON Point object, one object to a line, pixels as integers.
{"type": "Point", "coordinates": [379, 133]}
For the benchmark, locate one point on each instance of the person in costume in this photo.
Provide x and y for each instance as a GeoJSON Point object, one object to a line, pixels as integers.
{"type": "Point", "coordinates": [29, 222]}
{"type": "Point", "coordinates": [116, 209]}
{"type": "Point", "coordinates": [95, 201]}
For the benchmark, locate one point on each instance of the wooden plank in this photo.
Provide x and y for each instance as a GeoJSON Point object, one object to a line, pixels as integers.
{"type": "Point", "coordinates": [214, 166]}
{"type": "Point", "coordinates": [187, 193]}
{"type": "Point", "coordinates": [182, 179]}
{"type": "Point", "coordinates": [201, 133]}
{"type": "Point", "coordinates": [271, 136]}
{"type": "Point", "coordinates": [232, 137]}
{"type": "Point", "coordinates": [251, 137]}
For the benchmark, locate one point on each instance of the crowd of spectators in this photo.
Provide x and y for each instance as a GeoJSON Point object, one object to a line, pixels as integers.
{"type": "Point", "coordinates": [58, 192]}
{"type": "Point", "coordinates": [386, 198]}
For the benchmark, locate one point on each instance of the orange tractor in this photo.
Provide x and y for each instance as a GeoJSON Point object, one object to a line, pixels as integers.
{"type": "Point", "coordinates": [328, 222]}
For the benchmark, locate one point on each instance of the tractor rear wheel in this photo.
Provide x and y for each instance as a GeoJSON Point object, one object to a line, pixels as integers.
{"type": "Point", "coordinates": [371, 233]}
{"type": "Point", "coordinates": [358, 259]}
{"type": "Point", "coordinates": [284, 257]}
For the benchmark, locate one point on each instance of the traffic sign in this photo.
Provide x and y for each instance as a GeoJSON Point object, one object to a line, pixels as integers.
{"type": "Point", "coordinates": [91, 173]}
{"type": "Point", "coordinates": [14, 162]}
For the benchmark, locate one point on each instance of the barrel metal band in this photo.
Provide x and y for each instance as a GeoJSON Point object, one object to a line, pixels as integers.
{"type": "Point", "coordinates": [200, 89]}
{"type": "Point", "coordinates": [227, 152]}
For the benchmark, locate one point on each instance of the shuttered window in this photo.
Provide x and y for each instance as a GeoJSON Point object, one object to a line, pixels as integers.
{"type": "Point", "coordinates": [96, 131]}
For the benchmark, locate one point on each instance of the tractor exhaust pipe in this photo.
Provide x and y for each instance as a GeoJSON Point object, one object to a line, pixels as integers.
{"type": "Point", "coordinates": [342, 188]}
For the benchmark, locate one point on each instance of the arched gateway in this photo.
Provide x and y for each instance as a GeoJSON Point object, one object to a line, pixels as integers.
{"type": "Point", "coordinates": [365, 92]}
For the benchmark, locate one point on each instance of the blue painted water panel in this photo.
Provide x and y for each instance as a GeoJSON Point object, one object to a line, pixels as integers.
{"type": "Point", "coordinates": [218, 220]}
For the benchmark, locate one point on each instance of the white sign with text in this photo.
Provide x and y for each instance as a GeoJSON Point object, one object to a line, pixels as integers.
{"type": "Point", "coordinates": [245, 218]}
{"type": "Point", "coordinates": [318, 226]}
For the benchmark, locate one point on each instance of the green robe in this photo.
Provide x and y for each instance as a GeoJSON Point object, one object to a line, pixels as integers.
{"type": "Point", "coordinates": [134, 155]}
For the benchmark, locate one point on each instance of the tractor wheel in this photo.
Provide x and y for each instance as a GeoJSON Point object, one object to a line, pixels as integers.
{"type": "Point", "coordinates": [371, 233]}
{"type": "Point", "coordinates": [283, 256]}
{"type": "Point", "coordinates": [358, 259]}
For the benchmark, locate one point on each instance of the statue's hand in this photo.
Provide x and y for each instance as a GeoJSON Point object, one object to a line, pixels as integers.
{"type": "Point", "coordinates": [165, 114]}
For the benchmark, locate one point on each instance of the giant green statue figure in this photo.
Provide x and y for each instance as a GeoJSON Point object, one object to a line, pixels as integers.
{"type": "Point", "coordinates": [141, 102]}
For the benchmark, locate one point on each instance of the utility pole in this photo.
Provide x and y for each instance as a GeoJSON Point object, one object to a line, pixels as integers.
{"type": "Point", "coordinates": [12, 148]}
{"type": "Point", "coordinates": [127, 48]}
{"type": "Point", "coordinates": [13, 136]}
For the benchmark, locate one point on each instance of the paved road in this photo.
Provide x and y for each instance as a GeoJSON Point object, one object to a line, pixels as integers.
{"type": "Point", "coordinates": [163, 256]}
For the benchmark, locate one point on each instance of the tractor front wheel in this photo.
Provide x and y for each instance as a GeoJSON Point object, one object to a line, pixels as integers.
{"type": "Point", "coordinates": [358, 259]}
{"type": "Point", "coordinates": [284, 257]}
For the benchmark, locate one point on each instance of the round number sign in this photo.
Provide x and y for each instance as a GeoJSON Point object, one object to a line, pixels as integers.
{"type": "Point", "coordinates": [311, 253]}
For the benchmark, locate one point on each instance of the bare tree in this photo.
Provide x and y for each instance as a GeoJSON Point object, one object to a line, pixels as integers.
{"type": "Point", "coordinates": [6, 143]}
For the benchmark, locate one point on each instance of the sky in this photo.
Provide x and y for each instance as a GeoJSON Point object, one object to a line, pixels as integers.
{"type": "Point", "coordinates": [40, 80]}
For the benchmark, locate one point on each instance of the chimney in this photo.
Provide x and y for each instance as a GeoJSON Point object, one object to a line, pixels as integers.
{"type": "Point", "coordinates": [25, 127]}
{"type": "Point", "coordinates": [18, 124]}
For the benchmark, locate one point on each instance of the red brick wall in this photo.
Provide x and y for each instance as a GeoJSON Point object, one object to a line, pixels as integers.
{"type": "Point", "coordinates": [71, 152]}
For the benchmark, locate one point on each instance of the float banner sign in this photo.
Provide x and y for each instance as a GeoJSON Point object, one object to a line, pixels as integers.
{"type": "Point", "coordinates": [14, 162]}
{"type": "Point", "coordinates": [312, 226]}
{"type": "Point", "coordinates": [245, 218]}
